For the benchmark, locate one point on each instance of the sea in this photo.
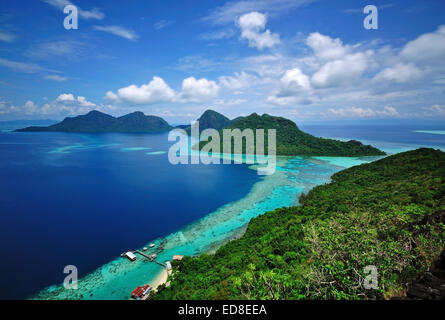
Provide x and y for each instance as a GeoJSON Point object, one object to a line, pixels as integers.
{"type": "Point", "coordinates": [72, 199]}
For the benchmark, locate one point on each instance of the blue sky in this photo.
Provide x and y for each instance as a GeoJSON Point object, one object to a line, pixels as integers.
{"type": "Point", "coordinates": [302, 59]}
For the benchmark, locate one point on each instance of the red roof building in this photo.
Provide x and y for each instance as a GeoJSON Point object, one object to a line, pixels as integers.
{"type": "Point", "coordinates": [140, 292]}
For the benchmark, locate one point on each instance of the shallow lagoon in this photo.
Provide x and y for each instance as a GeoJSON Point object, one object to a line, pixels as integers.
{"type": "Point", "coordinates": [207, 205]}
{"type": "Point", "coordinates": [118, 278]}
{"type": "Point", "coordinates": [76, 199]}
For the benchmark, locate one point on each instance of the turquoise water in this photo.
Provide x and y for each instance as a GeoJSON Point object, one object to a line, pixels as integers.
{"type": "Point", "coordinates": [135, 149]}
{"type": "Point", "coordinates": [156, 153]}
{"type": "Point", "coordinates": [294, 175]}
{"type": "Point", "coordinates": [83, 199]}
{"type": "Point", "coordinates": [431, 131]}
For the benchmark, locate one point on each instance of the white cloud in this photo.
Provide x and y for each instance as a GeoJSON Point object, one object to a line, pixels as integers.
{"type": "Point", "coordinates": [162, 24]}
{"type": "Point", "coordinates": [325, 47]}
{"type": "Point", "coordinates": [118, 31]}
{"type": "Point", "coordinates": [66, 97]}
{"type": "Point", "coordinates": [84, 103]}
{"type": "Point", "coordinates": [223, 102]}
{"type": "Point", "coordinates": [153, 92]}
{"type": "Point", "coordinates": [400, 73]}
{"type": "Point", "coordinates": [67, 49]}
{"type": "Point", "coordinates": [252, 27]}
{"type": "Point", "coordinates": [69, 98]}
{"type": "Point", "coordinates": [294, 81]}
{"type": "Point", "coordinates": [20, 66]}
{"type": "Point", "coordinates": [64, 105]}
{"type": "Point", "coordinates": [281, 101]}
{"type": "Point", "coordinates": [239, 81]}
{"type": "Point", "coordinates": [55, 77]}
{"type": "Point", "coordinates": [198, 90]}
{"type": "Point", "coordinates": [228, 12]}
{"type": "Point", "coordinates": [357, 112]}
{"type": "Point", "coordinates": [86, 14]}
{"type": "Point", "coordinates": [294, 88]}
{"type": "Point", "coordinates": [111, 96]}
{"type": "Point", "coordinates": [389, 112]}
{"type": "Point", "coordinates": [30, 107]}
{"type": "Point", "coordinates": [6, 36]}
{"type": "Point", "coordinates": [429, 47]}
{"type": "Point", "coordinates": [435, 110]}
{"type": "Point", "coordinates": [342, 71]}
{"type": "Point", "coordinates": [158, 91]}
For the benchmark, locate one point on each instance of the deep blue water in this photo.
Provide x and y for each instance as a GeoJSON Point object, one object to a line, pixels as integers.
{"type": "Point", "coordinates": [83, 199]}
{"type": "Point", "coordinates": [383, 136]}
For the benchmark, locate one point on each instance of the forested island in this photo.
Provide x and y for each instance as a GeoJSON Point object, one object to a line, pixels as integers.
{"type": "Point", "coordinates": [389, 214]}
{"type": "Point", "coordinates": [210, 119]}
{"type": "Point", "coordinates": [98, 122]}
{"type": "Point", "coordinates": [291, 141]}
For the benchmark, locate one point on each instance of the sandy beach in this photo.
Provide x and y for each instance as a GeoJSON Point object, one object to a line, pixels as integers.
{"type": "Point", "coordinates": [160, 279]}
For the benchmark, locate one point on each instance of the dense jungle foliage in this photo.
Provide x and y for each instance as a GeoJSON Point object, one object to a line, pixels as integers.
{"type": "Point", "coordinates": [290, 140]}
{"type": "Point", "coordinates": [389, 213]}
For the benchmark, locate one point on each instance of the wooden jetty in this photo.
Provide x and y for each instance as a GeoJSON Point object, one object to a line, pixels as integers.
{"type": "Point", "coordinates": [152, 259]}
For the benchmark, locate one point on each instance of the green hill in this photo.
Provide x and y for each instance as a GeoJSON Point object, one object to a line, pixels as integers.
{"type": "Point", "coordinates": [95, 122]}
{"type": "Point", "coordinates": [290, 140]}
{"type": "Point", "coordinates": [210, 120]}
{"type": "Point", "coordinates": [389, 213]}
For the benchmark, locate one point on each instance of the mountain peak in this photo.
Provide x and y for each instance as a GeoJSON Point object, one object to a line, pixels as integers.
{"type": "Point", "coordinates": [96, 121]}
{"type": "Point", "coordinates": [96, 112]}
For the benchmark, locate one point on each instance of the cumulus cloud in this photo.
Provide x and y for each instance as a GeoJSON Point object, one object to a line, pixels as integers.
{"type": "Point", "coordinates": [198, 90]}
{"type": "Point", "coordinates": [342, 71]}
{"type": "Point", "coordinates": [153, 92]}
{"type": "Point", "coordinates": [238, 81]}
{"type": "Point", "coordinates": [64, 105]}
{"type": "Point", "coordinates": [294, 81]}
{"type": "Point", "coordinates": [325, 47]}
{"type": "Point", "coordinates": [84, 102]}
{"type": "Point", "coordinates": [429, 47]}
{"type": "Point", "coordinates": [252, 27]}
{"type": "Point", "coordinates": [118, 31]}
{"type": "Point", "coordinates": [30, 107]}
{"type": "Point", "coordinates": [157, 91]}
{"type": "Point", "coordinates": [400, 73]}
{"type": "Point", "coordinates": [66, 97]}
{"type": "Point", "coordinates": [69, 97]}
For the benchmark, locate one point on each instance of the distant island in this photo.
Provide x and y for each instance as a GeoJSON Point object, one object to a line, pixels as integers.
{"type": "Point", "coordinates": [98, 122]}
{"type": "Point", "coordinates": [210, 120]}
{"type": "Point", "coordinates": [389, 214]}
{"type": "Point", "coordinates": [290, 139]}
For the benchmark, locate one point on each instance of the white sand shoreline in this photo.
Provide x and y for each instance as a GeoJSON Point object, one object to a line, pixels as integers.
{"type": "Point", "coordinates": [160, 279]}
